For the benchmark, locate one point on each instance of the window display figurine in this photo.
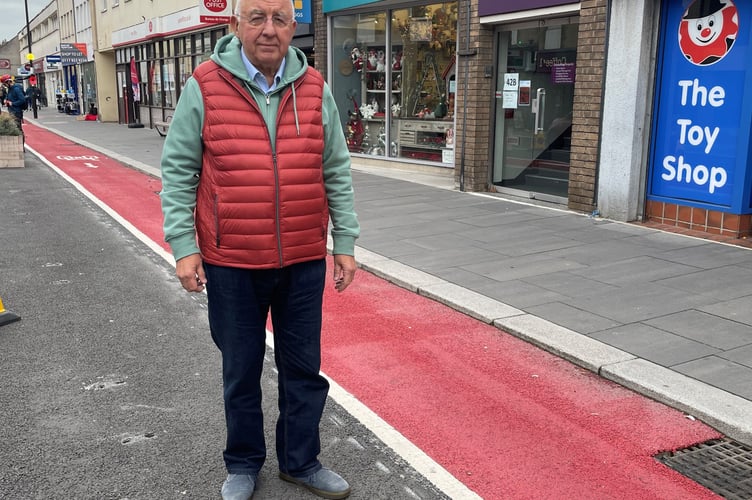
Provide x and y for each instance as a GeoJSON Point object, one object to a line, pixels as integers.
{"type": "Point", "coordinates": [397, 82]}
{"type": "Point", "coordinates": [426, 114]}
{"type": "Point", "coordinates": [354, 130]}
{"type": "Point", "coordinates": [357, 59]}
{"type": "Point", "coordinates": [365, 145]}
{"type": "Point", "coordinates": [397, 61]}
{"type": "Point", "coordinates": [379, 148]}
{"type": "Point", "coordinates": [380, 62]}
{"type": "Point", "coordinates": [449, 140]}
{"type": "Point", "coordinates": [440, 111]}
{"type": "Point", "coordinates": [372, 60]}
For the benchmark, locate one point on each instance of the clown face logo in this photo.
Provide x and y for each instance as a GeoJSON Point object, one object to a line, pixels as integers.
{"type": "Point", "coordinates": [708, 31]}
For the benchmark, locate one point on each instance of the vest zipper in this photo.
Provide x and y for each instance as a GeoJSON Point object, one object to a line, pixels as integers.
{"type": "Point", "coordinates": [276, 209]}
{"type": "Point", "coordinates": [278, 226]}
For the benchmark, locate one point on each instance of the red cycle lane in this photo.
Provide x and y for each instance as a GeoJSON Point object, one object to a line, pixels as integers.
{"type": "Point", "coordinates": [508, 420]}
{"type": "Point", "coordinates": [131, 193]}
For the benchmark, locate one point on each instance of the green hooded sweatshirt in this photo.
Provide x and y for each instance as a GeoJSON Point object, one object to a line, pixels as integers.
{"type": "Point", "coordinates": [182, 153]}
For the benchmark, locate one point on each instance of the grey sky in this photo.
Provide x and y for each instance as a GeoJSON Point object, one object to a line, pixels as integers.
{"type": "Point", "coordinates": [13, 16]}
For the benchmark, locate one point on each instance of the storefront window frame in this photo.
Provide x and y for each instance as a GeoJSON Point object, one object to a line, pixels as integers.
{"type": "Point", "coordinates": [436, 153]}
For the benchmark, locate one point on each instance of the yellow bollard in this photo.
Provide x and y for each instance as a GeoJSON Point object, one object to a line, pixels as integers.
{"type": "Point", "coordinates": [7, 316]}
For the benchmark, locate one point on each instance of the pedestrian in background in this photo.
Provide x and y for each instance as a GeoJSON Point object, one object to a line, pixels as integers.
{"type": "Point", "coordinates": [253, 167]}
{"type": "Point", "coordinates": [3, 92]}
{"type": "Point", "coordinates": [15, 99]}
{"type": "Point", "coordinates": [32, 96]}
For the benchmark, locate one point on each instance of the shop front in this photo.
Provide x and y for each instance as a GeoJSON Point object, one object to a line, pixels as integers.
{"type": "Point", "coordinates": [393, 75]}
{"type": "Point", "coordinates": [45, 74]}
{"type": "Point", "coordinates": [154, 59]}
{"type": "Point", "coordinates": [534, 98]}
{"type": "Point", "coordinates": [78, 92]}
{"type": "Point", "coordinates": [700, 174]}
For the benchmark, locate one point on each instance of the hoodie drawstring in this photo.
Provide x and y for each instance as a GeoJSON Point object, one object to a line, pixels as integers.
{"type": "Point", "coordinates": [295, 109]}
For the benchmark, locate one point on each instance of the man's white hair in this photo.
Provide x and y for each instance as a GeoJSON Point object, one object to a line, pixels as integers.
{"type": "Point", "coordinates": [237, 7]}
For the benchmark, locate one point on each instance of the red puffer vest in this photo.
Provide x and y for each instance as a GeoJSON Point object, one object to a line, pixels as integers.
{"type": "Point", "coordinates": [256, 210]}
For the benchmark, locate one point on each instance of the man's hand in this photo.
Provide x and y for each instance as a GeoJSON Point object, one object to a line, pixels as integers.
{"type": "Point", "coordinates": [344, 271]}
{"type": "Point", "coordinates": [190, 272]}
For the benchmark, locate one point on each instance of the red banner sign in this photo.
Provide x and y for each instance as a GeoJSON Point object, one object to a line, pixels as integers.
{"type": "Point", "coordinates": [134, 81]}
{"type": "Point", "coordinates": [215, 11]}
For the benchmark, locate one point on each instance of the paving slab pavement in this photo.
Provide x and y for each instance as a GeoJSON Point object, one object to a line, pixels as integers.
{"type": "Point", "coordinates": [665, 314]}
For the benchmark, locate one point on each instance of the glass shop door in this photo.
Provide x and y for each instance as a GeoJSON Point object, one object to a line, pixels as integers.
{"type": "Point", "coordinates": [534, 96]}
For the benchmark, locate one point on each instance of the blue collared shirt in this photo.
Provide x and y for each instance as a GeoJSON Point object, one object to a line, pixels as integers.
{"type": "Point", "coordinates": [258, 77]}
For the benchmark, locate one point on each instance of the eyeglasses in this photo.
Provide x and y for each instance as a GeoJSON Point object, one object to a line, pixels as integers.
{"type": "Point", "coordinates": [259, 20]}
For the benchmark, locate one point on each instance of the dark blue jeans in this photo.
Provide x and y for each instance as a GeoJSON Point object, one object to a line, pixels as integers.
{"type": "Point", "coordinates": [239, 303]}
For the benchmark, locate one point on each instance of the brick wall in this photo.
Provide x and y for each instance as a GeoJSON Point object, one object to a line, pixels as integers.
{"type": "Point", "coordinates": [586, 116]}
{"type": "Point", "coordinates": [319, 37]}
{"type": "Point", "coordinates": [711, 222]}
{"type": "Point", "coordinates": [473, 126]}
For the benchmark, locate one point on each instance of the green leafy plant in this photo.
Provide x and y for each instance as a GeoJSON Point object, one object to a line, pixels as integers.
{"type": "Point", "coordinates": [8, 125]}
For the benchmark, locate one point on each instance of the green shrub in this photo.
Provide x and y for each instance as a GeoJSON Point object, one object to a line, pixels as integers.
{"type": "Point", "coordinates": [8, 125]}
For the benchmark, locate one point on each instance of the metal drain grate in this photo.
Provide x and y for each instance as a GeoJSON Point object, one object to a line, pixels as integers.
{"type": "Point", "coordinates": [723, 466]}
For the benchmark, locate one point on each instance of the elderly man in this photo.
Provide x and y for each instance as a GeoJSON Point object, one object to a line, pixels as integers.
{"type": "Point", "coordinates": [254, 166]}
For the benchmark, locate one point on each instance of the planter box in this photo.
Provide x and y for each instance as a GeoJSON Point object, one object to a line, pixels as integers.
{"type": "Point", "coordinates": [11, 151]}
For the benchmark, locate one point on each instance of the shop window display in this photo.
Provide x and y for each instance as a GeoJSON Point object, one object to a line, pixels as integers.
{"type": "Point", "coordinates": [393, 80]}
{"type": "Point", "coordinates": [164, 67]}
{"type": "Point", "coordinates": [155, 83]}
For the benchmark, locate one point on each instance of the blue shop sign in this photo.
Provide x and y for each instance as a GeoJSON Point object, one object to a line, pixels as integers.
{"type": "Point", "coordinates": [700, 142]}
{"type": "Point", "coordinates": [303, 11]}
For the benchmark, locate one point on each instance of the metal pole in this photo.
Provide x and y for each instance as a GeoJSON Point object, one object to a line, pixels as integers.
{"type": "Point", "coordinates": [28, 31]}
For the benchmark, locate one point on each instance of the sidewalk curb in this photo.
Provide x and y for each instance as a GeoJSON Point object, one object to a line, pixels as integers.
{"type": "Point", "coordinates": [575, 347]}
{"type": "Point", "coordinates": [723, 411]}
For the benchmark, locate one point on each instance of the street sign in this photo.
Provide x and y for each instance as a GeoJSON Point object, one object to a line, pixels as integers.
{"type": "Point", "coordinates": [215, 11]}
{"type": "Point", "coordinates": [53, 59]}
{"type": "Point", "coordinates": [73, 53]}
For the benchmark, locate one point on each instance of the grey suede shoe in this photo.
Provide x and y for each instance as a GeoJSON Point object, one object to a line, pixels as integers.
{"type": "Point", "coordinates": [238, 487]}
{"type": "Point", "coordinates": [324, 483]}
